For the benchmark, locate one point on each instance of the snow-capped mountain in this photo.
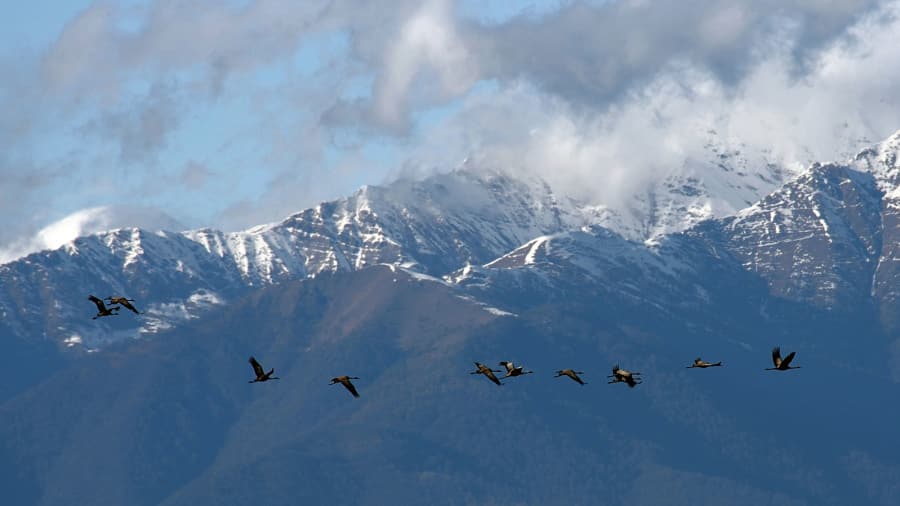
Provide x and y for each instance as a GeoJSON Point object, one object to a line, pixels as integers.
{"type": "Point", "coordinates": [721, 179]}
{"type": "Point", "coordinates": [818, 238]}
{"type": "Point", "coordinates": [883, 162]}
{"type": "Point", "coordinates": [822, 237]}
{"type": "Point", "coordinates": [829, 236]}
{"type": "Point", "coordinates": [479, 268]}
{"type": "Point", "coordinates": [432, 226]}
{"type": "Point", "coordinates": [826, 238]}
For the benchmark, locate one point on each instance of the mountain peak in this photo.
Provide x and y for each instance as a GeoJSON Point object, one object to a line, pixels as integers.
{"type": "Point", "coordinates": [434, 226]}
{"type": "Point", "coordinates": [445, 222]}
{"type": "Point", "coordinates": [881, 160]}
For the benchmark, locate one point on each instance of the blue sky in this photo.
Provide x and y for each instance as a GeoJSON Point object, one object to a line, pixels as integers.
{"type": "Point", "coordinates": [215, 136]}
{"type": "Point", "coordinates": [230, 114]}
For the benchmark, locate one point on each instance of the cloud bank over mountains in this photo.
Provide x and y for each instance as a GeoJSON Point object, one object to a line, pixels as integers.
{"type": "Point", "coordinates": [230, 115]}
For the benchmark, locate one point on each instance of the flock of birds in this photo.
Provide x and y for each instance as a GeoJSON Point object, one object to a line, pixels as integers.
{"type": "Point", "coordinates": [619, 375]}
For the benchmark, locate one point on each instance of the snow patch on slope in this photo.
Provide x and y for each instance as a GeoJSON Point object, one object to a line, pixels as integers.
{"type": "Point", "coordinates": [163, 316]}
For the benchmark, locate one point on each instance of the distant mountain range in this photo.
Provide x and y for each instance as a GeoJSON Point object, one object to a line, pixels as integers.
{"type": "Point", "coordinates": [433, 226]}
{"type": "Point", "coordinates": [464, 220]}
{"type": "Point", "coordinates": [405, 286]}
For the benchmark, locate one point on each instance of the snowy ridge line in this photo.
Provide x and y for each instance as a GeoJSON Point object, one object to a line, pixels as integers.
{"type": "Point", "coordinates": [822, 238]}
{"type": "Point", "coordinates": [429, 227]}
{"type": "Point", "coordinates": [445, 227]}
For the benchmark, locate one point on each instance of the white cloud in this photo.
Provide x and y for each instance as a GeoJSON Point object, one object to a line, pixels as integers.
{"type": "Point", "coordinates": [847, 98]}
{"type": "Point", "coordinates": [595, 54]}
{"type": "Point", "coordinates": [599, 97]}
{"type": "Point", "coordinates": [428, 40]}
{"type": "Point", "coordinates": [104, 46]}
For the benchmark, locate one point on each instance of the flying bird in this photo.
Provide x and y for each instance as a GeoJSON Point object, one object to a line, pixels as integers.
{"type": "Point", "coordinates": [781, 364]}
{"type": "Point", "coordinates": [703, 364]}
{"type": "Point", "coordinates": [261, 375]}
{"type": "Point", "coordinates": [345, 380]}
{"type": "Point", "coordinates": [123, 302]}
{"type": "Point", "coordinates": [572, 374]}
{"type": "Point", "coordinates": [621, 375]}
{"type": "Point", "coordinates": [487, 371]}
{"type": "Point", "coordinates": [512, 370]}
{"type": "Point", "coordinates": [102, 310]}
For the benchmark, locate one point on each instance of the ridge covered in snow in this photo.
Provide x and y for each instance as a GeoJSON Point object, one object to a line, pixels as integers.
{"type": "Point", "coordinates": [432, 226]}
{"type": "Point", "coordinates": [726, 177]}
{"type": "Point", "coordinates": [827, 235]}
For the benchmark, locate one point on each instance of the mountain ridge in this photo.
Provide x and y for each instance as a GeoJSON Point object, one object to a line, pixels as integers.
{"type": "Point", "coordinates": [427, 226]}
{"type": "Point", "coordinates": [437, 227]}
{"type": "Point", "coordinates": [171, 420]}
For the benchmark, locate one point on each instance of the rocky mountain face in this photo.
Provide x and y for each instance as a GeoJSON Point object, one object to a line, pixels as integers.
{"type": "Point", "coordinates": [817, 239]}
{"type": "Point", "coordinates": [882, 162]}
{"type": "Point", "coordinates": [433, 227]}
{"type": "Point", "coordinates": [171, 420]}
{"type": "Point", "coordinates": [825, 239]}
{"type": "Point", "coordinates": [406, 286]}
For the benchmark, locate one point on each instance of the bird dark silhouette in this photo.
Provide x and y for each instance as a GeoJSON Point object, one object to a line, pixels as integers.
{"type": "Point", "coordinates": [102, 310]}
{"type": "Point", "coordinates": [345, 380]}
{"type": "Point", "coordinates": [512, 370]}
{"type": "Point", "coordinates": [487, 371]}
{"type": "Point", "coordinates": [622, 376]}
{"type": "Point", "coordinates": [122, 301]}
{"type": "Point", "coordinates": [572, 374]}
{"type": "Point", "coordinates": [261, 375]}
{"type": "Point", "coordinates": [703, 364]}
{"type": "Point", "coordinates": [781, 364]}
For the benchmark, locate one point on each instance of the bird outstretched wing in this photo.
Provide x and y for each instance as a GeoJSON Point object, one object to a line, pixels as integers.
{"type": "Point", "coordinates": [787, 360]}
{"type": "Point", "coordinates": [350, 387]}
{"type": "Point", "coordinates": [574, 375]}
{"type": "Point", "coordinates": [491, 377]}
{"type": "Point", "coordinates": [776, 356]}
{"type": "Point", "coordinates": [123, 301]}
{"type": "Point", "coordinates": [100, 305]}
{"type": "Point", "coordinates": [257, 368]}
